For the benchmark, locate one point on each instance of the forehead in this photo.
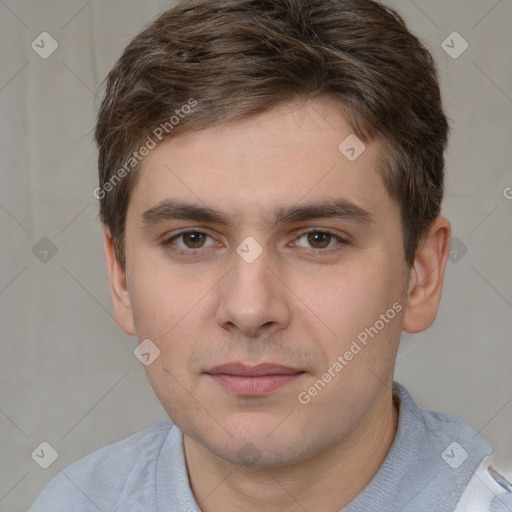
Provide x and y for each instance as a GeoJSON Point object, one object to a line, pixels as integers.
{"type": "Point", "coordinates": [295, 152]}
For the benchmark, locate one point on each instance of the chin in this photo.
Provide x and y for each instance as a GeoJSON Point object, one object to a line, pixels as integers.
{"type": "Point", "coordinates": [265, 447]}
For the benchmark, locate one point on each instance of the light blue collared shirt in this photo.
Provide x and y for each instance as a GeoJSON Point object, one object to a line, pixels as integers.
{"type": "Point", "coordinates": [430, 467]}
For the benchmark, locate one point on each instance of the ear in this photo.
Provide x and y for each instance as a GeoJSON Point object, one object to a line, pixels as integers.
{"type": "Point", "coordinates": [118, 289]}
{"type": "Point", "coordinates": [426, 277]}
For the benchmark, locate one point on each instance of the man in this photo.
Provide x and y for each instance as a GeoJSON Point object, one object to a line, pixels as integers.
{"type": "Point", "coordinates": [270, 183]}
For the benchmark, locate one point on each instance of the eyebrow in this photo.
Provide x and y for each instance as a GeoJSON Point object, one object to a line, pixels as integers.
{"type": "Point", "coordinates": [327, 209]}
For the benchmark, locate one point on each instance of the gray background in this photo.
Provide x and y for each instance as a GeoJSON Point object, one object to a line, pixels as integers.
{"type": "Point", "coordinates": [67, 373]}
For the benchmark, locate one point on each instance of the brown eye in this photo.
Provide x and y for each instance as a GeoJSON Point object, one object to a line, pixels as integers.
{"type": "Point", "coordinates": [319, 239]}
{"type": "Point", "coordinates": [187, 241]}
{"type": "Point", "coordinates": [193, 239]}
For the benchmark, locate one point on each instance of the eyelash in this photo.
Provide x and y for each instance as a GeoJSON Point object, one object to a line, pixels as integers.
{"type": "Point", "coordinates": [198, 251]}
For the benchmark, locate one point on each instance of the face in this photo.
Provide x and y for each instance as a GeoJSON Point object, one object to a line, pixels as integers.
{"type": "Point", "coordinates": [259, 245]}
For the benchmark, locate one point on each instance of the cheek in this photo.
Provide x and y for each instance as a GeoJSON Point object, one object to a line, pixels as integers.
{"type": "Point", "coordinates": [347, 299]}
{"type": "Point", "coordinates": [160, 298]}
{"type": "Point", "coordinates": [172, 311]}
{"type": "Point", "coordinates": [349, 304]}
{"type": "Point", "coordinates": [153, 309]}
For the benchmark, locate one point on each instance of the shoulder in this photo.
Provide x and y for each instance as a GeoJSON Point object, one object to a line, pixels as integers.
{"type": "Point", "coordinates": [459, 458]}
{"type": "Point", "coordinates": [101, 479]}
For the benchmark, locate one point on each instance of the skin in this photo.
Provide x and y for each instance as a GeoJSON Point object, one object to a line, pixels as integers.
{"type": "Point", "coordinates": [294, 305]}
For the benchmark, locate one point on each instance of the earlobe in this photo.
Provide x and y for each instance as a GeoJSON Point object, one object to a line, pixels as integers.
{"type": "Point", "coordinates": [426, 277]}
{"type": "Point", "coordinates": [118, 287]}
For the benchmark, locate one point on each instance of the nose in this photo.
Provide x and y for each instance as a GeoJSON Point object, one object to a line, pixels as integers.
{"type": "Point", "coordinates": [254, 299]}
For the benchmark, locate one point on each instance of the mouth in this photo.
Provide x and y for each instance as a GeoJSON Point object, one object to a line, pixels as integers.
{"type": "Point", "coordinates": [260, 380]}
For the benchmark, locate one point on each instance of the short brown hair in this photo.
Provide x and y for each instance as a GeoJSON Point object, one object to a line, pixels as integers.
{"type": "Point", "coordinates": [233, 58]}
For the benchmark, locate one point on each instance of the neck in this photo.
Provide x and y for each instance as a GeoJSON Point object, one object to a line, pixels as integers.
{"type": "Point", "coordinates": [313, 484]}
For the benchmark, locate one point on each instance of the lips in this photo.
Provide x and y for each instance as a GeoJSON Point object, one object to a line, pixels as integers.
{"type": "Point", "coordinates": [250, 371]}
{"type": "Point", "coordinates": [245, 380]}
